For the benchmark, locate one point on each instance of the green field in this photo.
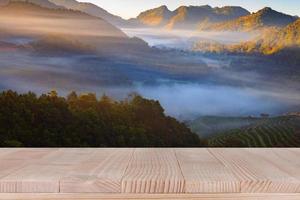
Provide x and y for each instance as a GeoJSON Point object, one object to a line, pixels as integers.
{"type": "Point", "coordinates": [281, 131]}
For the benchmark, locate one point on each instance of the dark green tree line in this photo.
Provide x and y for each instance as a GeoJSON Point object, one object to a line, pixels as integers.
{"type": "Point", "coordinates": [48, 120]}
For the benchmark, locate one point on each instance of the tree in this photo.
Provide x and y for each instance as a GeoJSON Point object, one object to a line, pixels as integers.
{"type": "Point", "coordinates": [84, 121]}
{"type": "Point", "coordinates": [53, 93]}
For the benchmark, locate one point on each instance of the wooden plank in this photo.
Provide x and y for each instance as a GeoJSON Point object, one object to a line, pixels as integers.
{"type": "Point", "coordinates": [283, 159]}
{"type": "Point", "coordinates": [256, 174]}
{"type": "Point", "coordinates": [150, 171]}
{"type": "Point", "coordinates": [12, 160]}
{"type": "Point", "coordinates": [5, 151]}
{"type": "Point", "coordinates": [153, 171]}
{"type": "Point", "coordinates": [90, 196]}
{"type": "Point", "coordinates": [36, 178]}
{"type": "Point", "coordinates": [70, 156]}
{"type": "Point", "coordinates": [40, 170]}
{"type": "Point", "coordinates": [102, 172]}
{"type": "Point", "coordinates": [28, 155]}
{"type": "Point", "coordinates": [203, 173]}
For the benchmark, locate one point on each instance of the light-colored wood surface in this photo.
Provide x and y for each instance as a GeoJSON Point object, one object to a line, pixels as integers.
{"type": "Point", "coordinates": [98, 196]}
{"type": "Point", "coordinates": [150, 173]}
{"type": "Point", "coordinates": [204, 173]}
{"type": "Point", "coordinates": [153, 171]}
{"type": "Point", "coordinates": [256, 173]}
{"type": "Point", "coordinates": [101, 172]}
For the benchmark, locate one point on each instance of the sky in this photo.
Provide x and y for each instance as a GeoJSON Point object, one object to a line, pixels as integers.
{"type": "Point", "coordinates": [131, 8]}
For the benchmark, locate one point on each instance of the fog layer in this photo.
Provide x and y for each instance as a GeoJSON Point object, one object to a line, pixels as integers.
{"type": "Point", "coordinates": [185, 39]}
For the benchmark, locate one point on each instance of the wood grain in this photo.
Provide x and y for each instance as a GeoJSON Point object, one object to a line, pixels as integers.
{"type": "Point", "coordinates": [90, 196]}
{"type": "Point", "coordinates": [13, 160]}
{"type": "Point", "coordinates": [203, 173]}
{"type": "Point", "coordinates": [284, 159]}
{"type": "Point", "coordinates": [71, 156]}
{"type": "Point", "coordinates": [256, 174]}
{"type": "Point", "coordinates": [153, 171]}
{"type": "Point", "coordinates": [102, 172]}
{"type": "Point", "coordinates": [36, 178]}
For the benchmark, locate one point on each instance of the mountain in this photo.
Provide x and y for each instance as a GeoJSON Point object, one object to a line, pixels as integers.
{"type": "Point", "coordinates": [193, 16]}
{"type": "Point", "coordinates": [273, 41]}
{"type": "Point", "coordinates": [19, 20]}
{"type": "Point", "coordinates": [91, 9]}
{"type": "Point", "coordinates": [189, 17]}
{"type": "Point", "coordinates": [42, 3]}
{"type": "Point", "coordinates": [26, 17]}
{"type": "Point", "coordinates": [155, 17]}
{"type": "Point", "coordinates": [284, 41]}
{"type": "Point", "coordinates": [264, 18]}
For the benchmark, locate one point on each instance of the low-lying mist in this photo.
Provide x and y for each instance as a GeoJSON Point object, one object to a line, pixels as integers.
{"type": "Point", "coordinates": [184, 39]}
{"type": "Point", "coordinates": [184, 100]}
{"type": "Point", "coordinates": [190, 100]}
{"type": "Point", "coordinates": [239, 94]}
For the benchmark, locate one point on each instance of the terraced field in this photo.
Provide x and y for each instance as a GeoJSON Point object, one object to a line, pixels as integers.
{"type": "Point", "coordinates": [281, 131]}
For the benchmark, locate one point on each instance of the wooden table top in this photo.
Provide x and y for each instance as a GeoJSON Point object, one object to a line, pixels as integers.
{"type": "Point", "coordinates": [150, 171]}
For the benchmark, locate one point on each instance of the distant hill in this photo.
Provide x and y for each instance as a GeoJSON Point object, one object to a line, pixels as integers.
{"type": "Point", "coordinates": [17, 19]}
{"type": "Point", "coordinates": [91, 9]}
{"type": "Point", "coordinates": [280, 41]}
{"type": "Point", "coordinates": [189, 17]}
{"type": "Point", "coordinates": [41, 17]}
{"type": "Point", "coordinates": [42, 3]}
{"type": "Point", "coordinates": [155, 17]}
{"type": "Point", "coordinates": [88, 8]}
{"type": "Point", "coordinates": [283, 131]}
{"type": "Point", "coordinates": [211, 125]}
{"type": "Point", "coordinates": [193, 16]}
{"type": "Point", "coordinates": [264, 18]}
{"type": "Point", "coordinates": [273, 41]}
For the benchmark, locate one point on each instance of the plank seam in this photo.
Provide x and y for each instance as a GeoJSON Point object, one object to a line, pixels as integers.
{"type": "Point", "coordinates": [125, 171]}
{"type": "Point", "coordinates": [228, 168]}
{"type": "Point", "coordinates": [181, 171]}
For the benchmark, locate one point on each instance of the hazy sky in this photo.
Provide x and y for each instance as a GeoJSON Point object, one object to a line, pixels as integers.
{"type": "Point", "coordinates": [131, 8]}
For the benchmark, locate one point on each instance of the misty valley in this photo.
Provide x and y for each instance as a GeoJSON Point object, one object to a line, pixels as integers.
{"type": "Point", "coordinates": [75, 76]}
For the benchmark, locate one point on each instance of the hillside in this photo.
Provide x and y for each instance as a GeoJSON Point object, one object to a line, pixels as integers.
{"type": "Point", "coordinates": [27, 20]}
{"type": "Point", "coordinates": [281, 131]}
{"type": "Point", "coordinates": [280, 41]}
{"type": "Point", "coordinates": [273, 41]}
{"type": "Point", "coordinates": [84, 120]}
{"type": "Point", "coordinates": [211, 125]}
{"type": "Point", "coordinates": [189, 17]}
{"type": "Point", "coordinates": [193, 16]}
{"type": "Point", "coordinates": [264, 18]}
{"type": "Point", "coordinates": [156, 16]}
{"type": "Point", "coordinates": [91, 9]}
{"type": "Point", "coordinates": [42, 3]}
{"type": "Point", "coordinates": [25, 14]}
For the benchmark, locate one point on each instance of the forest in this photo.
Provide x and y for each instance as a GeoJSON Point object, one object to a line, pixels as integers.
{"type": "Point", "coordinates": [83, 120]}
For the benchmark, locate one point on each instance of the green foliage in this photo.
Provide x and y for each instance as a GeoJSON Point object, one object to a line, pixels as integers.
{"type": "Point", "coordinates": [84, 121]}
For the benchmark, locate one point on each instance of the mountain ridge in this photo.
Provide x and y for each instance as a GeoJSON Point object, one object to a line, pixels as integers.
{"type": "Point", "coordinates": [264, 18]}
{"type": "Point", "coordinates": [42, 3]}
{"type": "Point", "coordinates": [270, 41]}
{"type": "Point", "coordinates": [64, 29]}
{"type": "Point", "coordinates": [188, 17]}
{"type": "Point", "coordinates": [156, 16]}
{"type": "Point", "coordinates": [91, 9]}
